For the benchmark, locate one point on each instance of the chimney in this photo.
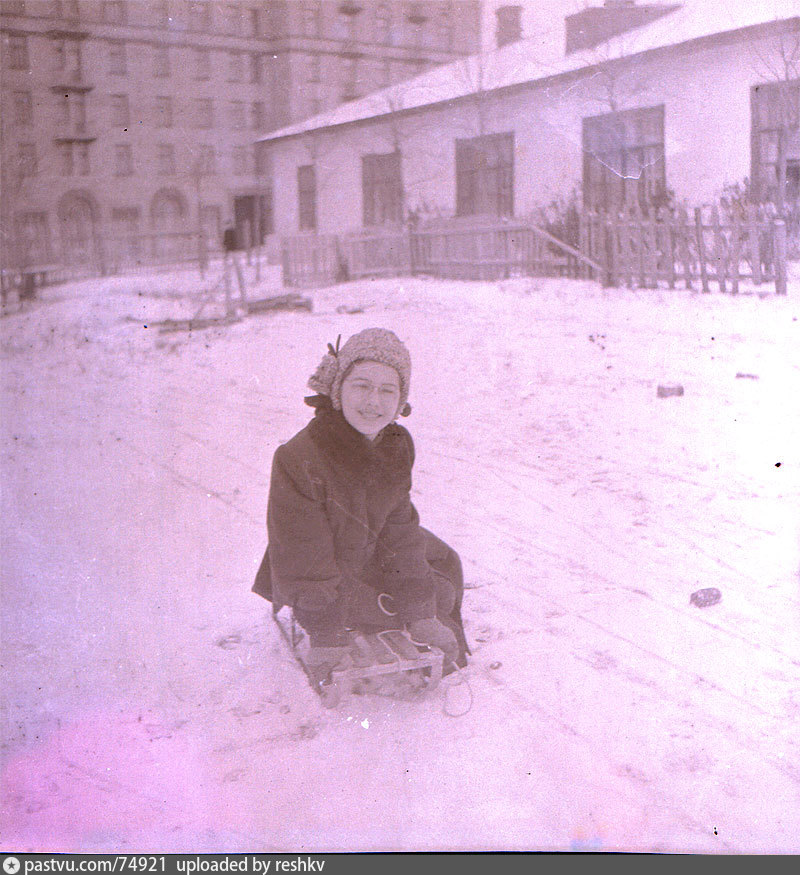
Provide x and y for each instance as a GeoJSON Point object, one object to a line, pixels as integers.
{"type": "Point", "coordinates": [509, 25]}
{"type": "Point", "coordinates": [590, 27]}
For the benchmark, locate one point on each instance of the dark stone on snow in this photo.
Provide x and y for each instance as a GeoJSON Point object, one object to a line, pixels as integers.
{"type": "Point", "coordinates": [705, 597]}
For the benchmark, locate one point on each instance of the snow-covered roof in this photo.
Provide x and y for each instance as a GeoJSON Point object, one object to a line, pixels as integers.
{"type": "Point", "coordinates": [541, 57]}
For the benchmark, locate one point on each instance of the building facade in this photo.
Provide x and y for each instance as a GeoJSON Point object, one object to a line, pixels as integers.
{"type": "Point", "coordinates": [679, 120]}
{"type": "Point", "coordinates": [126, 126]}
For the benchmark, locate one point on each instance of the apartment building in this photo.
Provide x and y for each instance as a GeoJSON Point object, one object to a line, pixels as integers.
{"type": "Point", "coordinates": [128, 125]}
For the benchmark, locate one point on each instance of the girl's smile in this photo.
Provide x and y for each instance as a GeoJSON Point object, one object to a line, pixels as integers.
{"type": "Point", "coordinates": [370, 397]}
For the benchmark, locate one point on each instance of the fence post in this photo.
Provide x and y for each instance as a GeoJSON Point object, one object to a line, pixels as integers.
{"type": "Point", "coordinates": [202, 253]}
{"type": "Point", "coordinates": [668, 222]}
{"type": "Point", "coordinates": [610, 273]}
{"type": "Point", "coordinates": [779, 228]}
{"type": "Point", "coordinates": [755, 249]}
{"type": "Point", "coordinates": [701, 249]}
{"type": "Point", "coordinates": [412, 261]}
{"type": "Point", "coordinates": [638, 221]}
{"type": "Point", "coordinates": [227, 276]}
{"type": "Point", "coordinates": [720, 253]}
{"type": "Point", "coordinates": [626, 246]}
{"type": "Point", "coordinates": [736, 254]}
{"type": "Point", "coordinates": [287, 277]}
{"type": "Point", "coordinates": [248, 236]}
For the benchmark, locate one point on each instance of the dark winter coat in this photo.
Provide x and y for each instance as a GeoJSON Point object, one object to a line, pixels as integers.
{"type": "Point", "coordinates": [340, 516]}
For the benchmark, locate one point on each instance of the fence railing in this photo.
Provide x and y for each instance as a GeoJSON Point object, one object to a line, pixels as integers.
{"type": "Point", "coordinates": [448, 251]}
{"type": "Point", "coordinates": [704, 249]}
{"type": "Point", "coordinates": [630, 250]}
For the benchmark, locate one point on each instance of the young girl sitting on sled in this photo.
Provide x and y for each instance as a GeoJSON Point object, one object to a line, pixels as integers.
{"type": "Point", "coordinates": [346, 550]}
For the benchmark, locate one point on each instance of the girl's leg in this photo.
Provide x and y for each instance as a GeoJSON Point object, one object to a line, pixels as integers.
{"type": "Point", "coordinates": [449, 587]}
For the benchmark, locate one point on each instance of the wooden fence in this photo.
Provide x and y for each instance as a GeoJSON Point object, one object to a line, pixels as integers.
{"type": "Point", "coordinates": [450, 250]}
{"type": "Point", "coordinates": [703, 250]}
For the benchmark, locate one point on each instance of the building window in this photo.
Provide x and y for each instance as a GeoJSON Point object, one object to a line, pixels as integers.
{"type": "Point", "coordinates": [33, 238]}
{"type": "Point", "coordinates": [254, 23]}
{"type": "Point", "coordinates": [161, 13]}
{"type": "Point", "coordinates": [382, 189]}
{"type": "Point", "coordinates": [59, 54]}
{"type": "Point", "coordinates": [623, 160]}
{"type": "Point", "coordinates": [165, 159]}
{"type": "Point", "coordinates": [307, 198]}
{"type": "Point", "coordinates": [161, 62]}
{"type": "Point", "coordinates": [240, 160]}
{"type": "Point", "coordinates": [775, 149]}
{"type": "Point", "coordinates": [115, 11]}
{"type": "Point", "coordinates": [383, 25]}
{"type": "Point", "coordinates": [349, 74]}
{"type": "Point", "coordinates": [206, 160]}
{"type": "Point", "coordinates": [67, 56]}
{"type": "Point", "coordinates": [72, 157]}
{"type": "Point", "coordinates": [123, 160]}
{"type": "Point", "coordinates": [346, 22]}
{"type": "Point", "coordinates": [255, 68]}
{"type": "Point", "coordinates": [236, 115]}
{"type": "Point", "coordinates": [71, 10]}
{"type": "Point", "coordinates": [235, 67]}
{"type": "Point", "coordinates": [444, 27]}
{"type": "Point", "coordinates": [485, 175]}
{"type": "Point", "coordinates": [199, 15]}
{"type": "Point", "coordinates": [202, 58]}
{"type": "Point", "coordinates": [204, 112]}
{"type": "Point", "coordinates": [257, 116]}
{"type": "Point", "coordinates": [163, 112]}
{"type": "Point", "coordinates": [17, 51]}
{"type": "Point", "coordinates": [73, 111]}
{"type": "Point", "coordinates": [311, 18]}
{"type": "Point", "coordinates": [120, 111]}
{"type": "Point", "coordinates": [66, 159]}
{"type": "Point", "coordinates": [82, 158]}
{"type": "Point", "coordinates": [79, 112]}
{"type": "Point", "coordinates": [28, 165]}
{"type": "Point", "coordinates": [23, 109]}
{"type": "Point", "coordinates": [63, 110]}
{"type": "Point", "coordinates": [117, 58]}
{"type": "Point", "coordinates": [232, 21]}
{"type": "Point", "coordinates": [417, 24]}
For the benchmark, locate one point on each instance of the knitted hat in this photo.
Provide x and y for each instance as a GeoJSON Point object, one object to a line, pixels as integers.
{"type": "Point", "coordinates": [373, 345]}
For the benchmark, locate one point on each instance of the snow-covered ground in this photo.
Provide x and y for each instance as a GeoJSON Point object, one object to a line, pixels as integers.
{"type": "Point", "coordinates": [149, 703]}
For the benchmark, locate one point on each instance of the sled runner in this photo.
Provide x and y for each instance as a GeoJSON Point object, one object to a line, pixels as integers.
{"type": "Point", "coordinates": [377, 658]}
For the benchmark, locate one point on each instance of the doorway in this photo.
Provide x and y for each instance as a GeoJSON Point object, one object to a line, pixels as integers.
{"type": "Point", "coordinates": [252, 215]}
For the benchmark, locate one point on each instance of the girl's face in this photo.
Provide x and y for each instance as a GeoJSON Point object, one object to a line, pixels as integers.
{"type": "Point", "coordinates": [370, 397]}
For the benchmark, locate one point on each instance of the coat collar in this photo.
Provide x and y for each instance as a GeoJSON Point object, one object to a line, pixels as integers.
{"type": "Point", "coordinates": [388, 457]}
